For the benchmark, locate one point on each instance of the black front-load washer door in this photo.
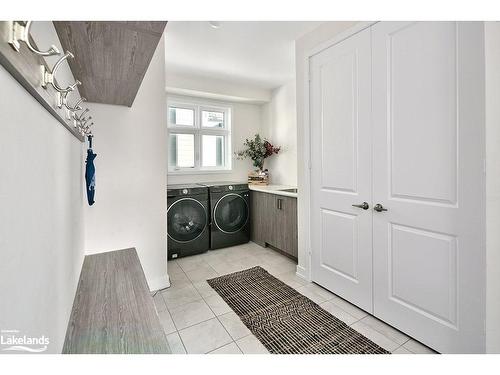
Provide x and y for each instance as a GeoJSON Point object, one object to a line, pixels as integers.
{"type": "Point", "coordinates": [186, 220]}
{"type": "Point", "coordinates": [231, 213]}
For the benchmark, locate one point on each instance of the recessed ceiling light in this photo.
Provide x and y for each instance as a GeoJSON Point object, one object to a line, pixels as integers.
{"type": "Point", "coordinates": [214, 24]}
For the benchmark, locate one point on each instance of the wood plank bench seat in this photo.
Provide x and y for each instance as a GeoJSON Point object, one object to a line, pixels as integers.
{"type": "Point", "coordinates": [113, 311]}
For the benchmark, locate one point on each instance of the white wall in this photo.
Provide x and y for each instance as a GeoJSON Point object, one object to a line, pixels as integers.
{"type": "Point", "coordinates": [303, 45]}
{"type": "Point", "coordinates": [206, 87]}
{"type": "Point", "coordinates": [131, 165]}
{"type": "Point", "coordinates": [492, 51]}
{"type": "Point", "coordinates": [41, 215]}
{"type": "Point", "coordinates": [279, 125]}
{"type": "Point", "coordinates": [246, 122]}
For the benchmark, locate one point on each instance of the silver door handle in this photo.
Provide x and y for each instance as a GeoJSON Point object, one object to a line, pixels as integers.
{"type": "Point", "coordinates": [363, 205]}
{"type": "Point", "coordinates": [379, 208]}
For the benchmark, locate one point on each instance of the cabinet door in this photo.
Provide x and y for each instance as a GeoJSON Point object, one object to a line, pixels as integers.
{"type": "Point", "coordinates": [428, 122]}
{"type": "Point", "coordinates": [340, 116]}
{"type": "Point", "coordinates": [261, 214]}
{"type": "Point", "coordinates": [286, 225]}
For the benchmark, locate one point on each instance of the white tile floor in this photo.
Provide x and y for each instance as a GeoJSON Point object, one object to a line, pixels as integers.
{"type": "Point", "coordinates": [197, 320]}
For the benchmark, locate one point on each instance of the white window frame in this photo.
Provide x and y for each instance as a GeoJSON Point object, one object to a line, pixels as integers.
{"type": "Point", "coordinates": [199, 105]}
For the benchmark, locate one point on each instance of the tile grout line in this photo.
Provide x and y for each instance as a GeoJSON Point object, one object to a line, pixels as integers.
{"type": "Point", "coordinates": [201, 298]}
{"type": "Point", "coordinates": [217, 317]}
{"type": "Point", "coordinates": [225, 329]}
{"type": "Point", "coordinates": [403, 346]}
{"type": "Point", "coordinates": [377, 331]}
{"type": "Point", "coordinates": [239, 346]}
{"type": "Point", "coordinates": [408, 338]}
{"type": "Point", "coordinates": [175, 325]}
{"type": "Point", "coordinates": [229, 343]}
{"type": "Point", "coordinates": [192, 325]}
{"type": "Point", "coordinates": [213, 312]}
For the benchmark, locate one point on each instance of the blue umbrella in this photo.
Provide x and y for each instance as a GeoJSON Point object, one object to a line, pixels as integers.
{"type": "Point", "coordinates": [90, 173]}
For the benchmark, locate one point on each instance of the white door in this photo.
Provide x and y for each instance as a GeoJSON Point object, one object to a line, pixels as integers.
{"type": "Point", "coordinates": [428, 119]}
{"type": "Point", "coordinates": [340, 97]}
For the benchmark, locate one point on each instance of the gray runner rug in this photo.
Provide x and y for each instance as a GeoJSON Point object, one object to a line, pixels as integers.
{"type": "Point", "coordinates": [285, 321]}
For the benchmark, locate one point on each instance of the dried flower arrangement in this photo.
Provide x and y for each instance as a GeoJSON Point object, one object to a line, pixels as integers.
{"type": "Point", "coordinates": [257, 150]}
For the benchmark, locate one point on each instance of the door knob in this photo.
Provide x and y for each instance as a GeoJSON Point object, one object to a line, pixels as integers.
{"type": "Point", "coordinates": [379, 208]}
{"type": "Point", "coordinates": [363, 205]}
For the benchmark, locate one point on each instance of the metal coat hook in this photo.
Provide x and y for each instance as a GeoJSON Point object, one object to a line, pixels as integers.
{"type": "Point", "coordinates": [80, 116]}
{"type": "Point", "coordinates": [62, 98]}
{"type": "Point", "coordinates": [77, 106]}
{"type": "Point", "coordinates": [63, 101]}
{"type": "Point", "coordinates": [85, 121]}
{"type": "Point", "coordinates": [20, 32]}
{"type": "Point", "coordinates": [49, 77]}
{"type": "Point", "coordinates": [85, 129]}
{"type": "Point", "coordinates": [82, 122]}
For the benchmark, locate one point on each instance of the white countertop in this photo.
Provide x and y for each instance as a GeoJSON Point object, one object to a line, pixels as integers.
{"type": "Point", "coordinates": [274, 189]}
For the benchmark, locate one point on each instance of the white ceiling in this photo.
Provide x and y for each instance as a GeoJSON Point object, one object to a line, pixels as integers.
{"type": "Point", "coordinates": [258, 54]}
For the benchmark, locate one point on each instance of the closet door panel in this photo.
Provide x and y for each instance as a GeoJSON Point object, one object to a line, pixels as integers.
{"type": "Point", "coordinates": [422, 88]}
{"type": "Point", "coordinates": [428, 118]}
{"type": "Point", "coordinates": [341, 169]}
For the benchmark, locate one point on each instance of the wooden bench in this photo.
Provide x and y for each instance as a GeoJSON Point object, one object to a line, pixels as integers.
{"type": "Point", "coordinates": [113, 311]}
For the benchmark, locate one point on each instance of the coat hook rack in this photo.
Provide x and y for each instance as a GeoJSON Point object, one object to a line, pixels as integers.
{"type": "Point", "coordinates": [20, 32]}
{"type": "Point", "coordinates": [21, 57]}
{"type": "Point", "coordinates": [50, 77]}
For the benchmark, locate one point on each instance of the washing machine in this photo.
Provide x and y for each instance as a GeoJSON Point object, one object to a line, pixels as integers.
{"type": "Point", "coordinates": [229, 213]}
{"type": "Point", "coordinates": [188, 219]}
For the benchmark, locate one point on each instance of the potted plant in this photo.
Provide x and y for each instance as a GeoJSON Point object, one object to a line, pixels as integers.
{"type": "Point", "coordinates": [257, 150]}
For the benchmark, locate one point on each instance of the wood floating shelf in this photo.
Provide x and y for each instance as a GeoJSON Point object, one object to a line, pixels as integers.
{"type": "Point", "coordinates": [111, 57]}
{"type": "Point", "coordinates": [26, 68]}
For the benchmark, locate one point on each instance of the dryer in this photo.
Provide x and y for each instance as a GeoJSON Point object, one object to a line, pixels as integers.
{"type": "Point", "coordinates": [230, 213]}
{"type": "Point", "coordinates": [187, 220]}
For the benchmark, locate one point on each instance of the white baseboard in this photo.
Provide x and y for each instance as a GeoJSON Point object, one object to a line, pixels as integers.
{"type": "Point", "coordinates": [159, 283]}
{"type": "Point", "coordinates": [302, 273]}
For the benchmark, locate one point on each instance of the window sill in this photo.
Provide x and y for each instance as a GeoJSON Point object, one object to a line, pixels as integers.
{"type": "Point", "coordinates": [200, 172]}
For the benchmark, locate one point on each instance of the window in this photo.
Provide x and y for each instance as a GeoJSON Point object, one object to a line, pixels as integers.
{"type": "Point", "coordinates": [181, 116]}
{"type": "Point", "coordinates": [199, 136]}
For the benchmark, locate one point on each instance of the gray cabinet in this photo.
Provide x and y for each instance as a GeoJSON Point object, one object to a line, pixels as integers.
{"type": "Point", "coordinates": [274, 221]}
